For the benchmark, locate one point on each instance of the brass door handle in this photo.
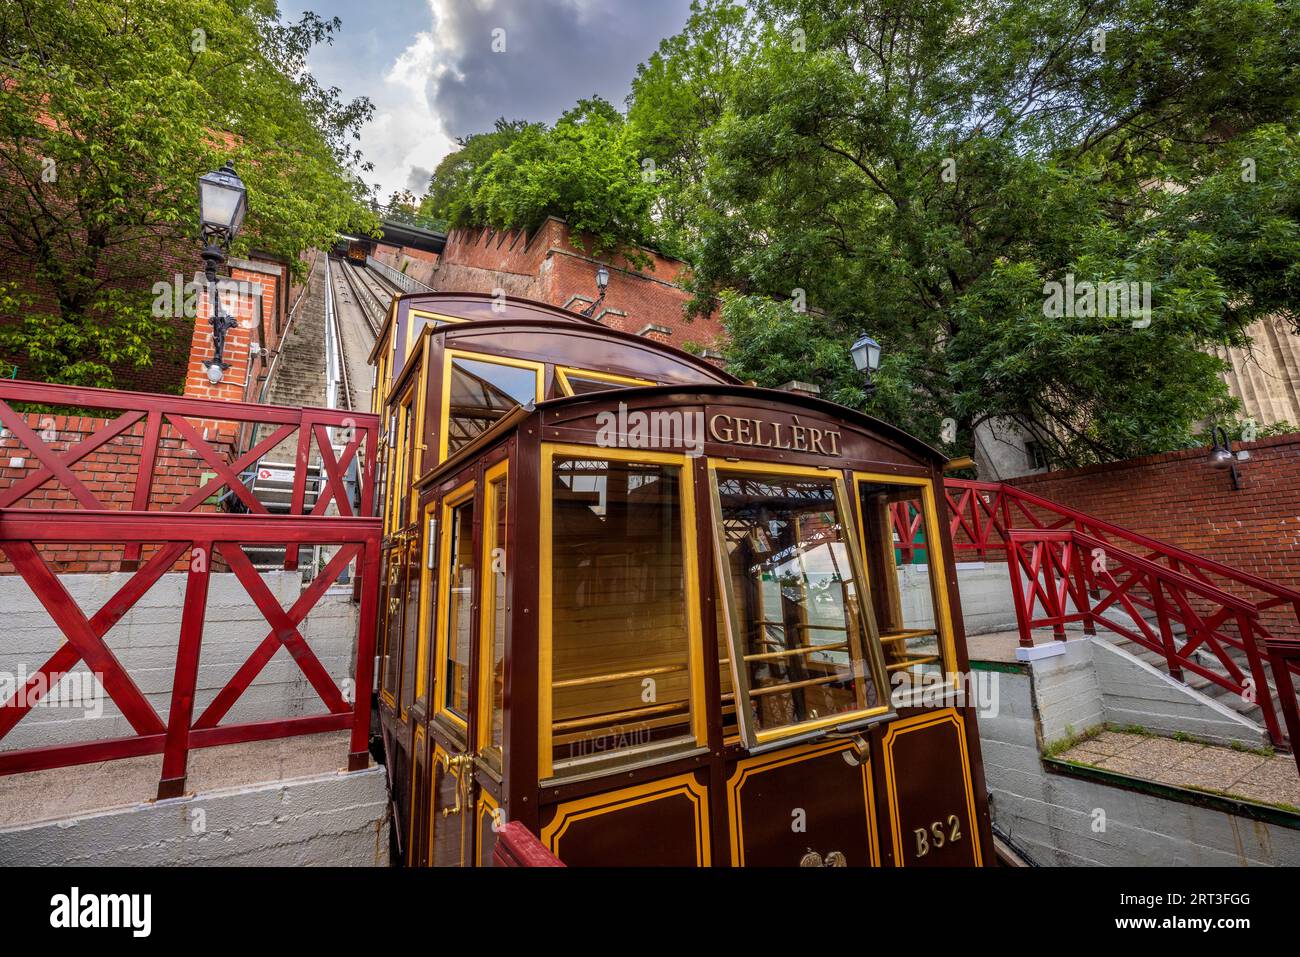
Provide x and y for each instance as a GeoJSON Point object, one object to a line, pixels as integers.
{"type": "Point", "coordinates": [457, 765]}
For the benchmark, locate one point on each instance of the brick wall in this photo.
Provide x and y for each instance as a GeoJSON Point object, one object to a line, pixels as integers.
{"type": "Point", "coordinates": [1179, 498]}
{"type": "Point", "coordinates": [110, 474]}
{"type": "Point", "coordinates": [166, 370]}
{"type": "Point", "coordinates": [549, 267]}
{"type": "Point", "coordinates": [419, 264]}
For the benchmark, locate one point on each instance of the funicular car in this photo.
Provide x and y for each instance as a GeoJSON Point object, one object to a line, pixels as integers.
{"type": "Point", "coordinates": [655, 615]}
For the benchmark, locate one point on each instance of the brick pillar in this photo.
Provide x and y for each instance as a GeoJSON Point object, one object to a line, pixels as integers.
{"type": "Point", "coordinates": [234, 382]}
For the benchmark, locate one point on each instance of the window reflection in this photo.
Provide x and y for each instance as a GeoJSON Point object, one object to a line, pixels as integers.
{"type": "Point", "coordinates": [619, 631]}
{"type": "Point", "coordinates": [481, 393]}
{"type": "Point", "coordinates": [577, 382]}
{"type": "Point", "coordinates": [494, 596]}
{"type": "Point", "coordinates": [897, 547]}
{"type": "Point", "coordinates": [460, 601]}
{"type": "Point", "coordinates": [793, 599]}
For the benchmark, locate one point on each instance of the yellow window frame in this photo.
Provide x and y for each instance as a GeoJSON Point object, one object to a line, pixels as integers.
{"type": "Point", "coordinates": [412, 335]}
{"type": "Point", "coordinates": [456, 497]}
{"type": "Point", "coordinates": [450, 355]}
{"type": "Point", "coordinates": [427, 595]}
{"type": "Point", "coordinates": [934, 545]}
{"type": "Point", "coordinates": [545, 634]}
{"type": "Point", "coordinates": [495, 483]}
{"type": "Point", "coordinates": [751, 738]}
{"type": "Point", "coordinates": [406, 406]}
{"type": "Point", "coordinates": [389, 695]}
{"type": "Point", "coordinates": [562, 374]}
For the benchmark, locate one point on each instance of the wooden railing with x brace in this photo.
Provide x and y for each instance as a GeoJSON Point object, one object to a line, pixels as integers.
{"type": "Point", "coordinates": [159, 524]}
{"type": "Point", "coordinates": [1066, 565]}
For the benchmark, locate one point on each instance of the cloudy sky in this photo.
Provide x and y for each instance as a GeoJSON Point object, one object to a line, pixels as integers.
{"type": "Point", "coordinates": [431, 69]}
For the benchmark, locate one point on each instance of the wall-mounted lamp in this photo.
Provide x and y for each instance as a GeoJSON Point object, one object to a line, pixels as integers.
{"type": "Point", "coordinates": [223, 202]}
{"type": "Point", "coordinates": [602, 283]}
{"type": "Point", "coordinates": [1222, 456]}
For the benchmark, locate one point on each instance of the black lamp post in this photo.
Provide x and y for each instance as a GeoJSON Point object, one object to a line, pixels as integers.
{"type": "Point", "coordinates": [223, 201]}
{"type": "Point", "coordinates": [866, 356]}
{"type": "Point", "coordinates": [602, 283]}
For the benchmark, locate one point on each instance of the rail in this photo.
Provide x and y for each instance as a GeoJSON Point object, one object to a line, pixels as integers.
{"type": "Point", "coordinates": [143, 489]}
{"type": "Point", "coordinates": [399, 279]}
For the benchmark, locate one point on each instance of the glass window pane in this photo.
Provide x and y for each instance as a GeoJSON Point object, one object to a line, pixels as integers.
{"type": "Point", "coordinates": [620, 631]}
{"type": "Point", "coordinates": [410, 625]}
{"type": "Point", "coordinates": [796, 612]}
{"type": "Point", "coordinates": [460, 601]}
{"type": "Point", "coordinates": [494, 579]}
{"type": "Point", "coordinates": [898, 564]}
{"type": "Point", "coordinates": [580, 384]}
{"type": "Point", "coordinates": [482, 392]}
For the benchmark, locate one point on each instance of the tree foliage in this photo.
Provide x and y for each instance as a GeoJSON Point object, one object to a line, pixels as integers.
{"type": "Point", "coordinates": [109, 111]}
{"type": "Point", "coordinates": [920, 169]}
{"type": "Point", "coordinates": [452, 177]}
{"type": "Point", "coordinates": [585, 169]}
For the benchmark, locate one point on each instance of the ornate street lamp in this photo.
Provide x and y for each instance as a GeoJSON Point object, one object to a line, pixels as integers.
{"type": "Point", "coordinates": [223, 201]}
{"type": "Point", "coordinates": [602, 283]}
{"type": "Point", "coordinates": [866, 356]}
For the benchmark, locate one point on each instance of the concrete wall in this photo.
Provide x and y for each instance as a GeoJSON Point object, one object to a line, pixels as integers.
{"type": "Point", "coordinates": [1055, 818]}
{"type": "Point", "coordinates": [1095, 683]}
{"type": "Point", "coordinates": [1133, 692]}
{"type": "Point", "coordinates": [1069, 697]}
{"type": "Point", "coordinates": [333, 819]}
{"type": "Point", "coordinates": [145, 642]}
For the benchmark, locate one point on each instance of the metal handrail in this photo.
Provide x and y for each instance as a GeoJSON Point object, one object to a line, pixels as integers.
{"type": "Point", "coordinates": [1202, 631]}
{"type": "Point", "coordinates": [399, 279]}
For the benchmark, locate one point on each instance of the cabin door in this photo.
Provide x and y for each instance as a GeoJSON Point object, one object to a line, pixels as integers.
{"type": "Point", "coordinates": [452, 787]}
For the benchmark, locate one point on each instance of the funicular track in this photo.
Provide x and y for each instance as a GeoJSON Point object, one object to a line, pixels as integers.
{"type": "Point", "coordinates": [361, 302]}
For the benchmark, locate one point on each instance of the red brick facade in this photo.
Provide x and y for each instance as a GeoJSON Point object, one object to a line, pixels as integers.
{"type": "Point", "coordinates": [1179, 498]}
{"type": "Point", "coordinates": [549, 267]}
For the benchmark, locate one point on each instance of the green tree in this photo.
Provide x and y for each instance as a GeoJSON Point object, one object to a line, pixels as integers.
{"type": "Point", "coordinates": [451, 179]}
{"type": "Point", "coordinates": [109, 111]}
{"type": "Point", "coordinates": [586, 170]}
{"type": "Point", "coordinates": [924, 169]}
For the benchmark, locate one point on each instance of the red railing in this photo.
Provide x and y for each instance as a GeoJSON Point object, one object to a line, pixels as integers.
{"type": "Point", "coordinates": [1068, 566]}
{"type": "Point", "coordinates": [1059, 576]}
{"type": "Point", "coordinates": [167, 530]}
{"type": "Point", "coordinates": [517, 846]}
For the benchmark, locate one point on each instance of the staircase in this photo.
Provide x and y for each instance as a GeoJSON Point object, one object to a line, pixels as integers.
{"type": "Point", "coordinates": [272, 485]}
{"type": "Point", "coordinates": [1225, 633]}
{"type": "Point", "coordinates": [298, 380]}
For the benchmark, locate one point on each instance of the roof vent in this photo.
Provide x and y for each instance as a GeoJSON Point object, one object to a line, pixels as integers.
{"type": "Point", "coordinates": [800, 388]}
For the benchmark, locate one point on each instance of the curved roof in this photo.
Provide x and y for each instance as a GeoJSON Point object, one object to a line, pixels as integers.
{"type": "Point", "coordinates": [632, 341]}
{"type": "Point", "coordinates": [775, 396]}
{"type": "Point", "coordinates": [483, 301]}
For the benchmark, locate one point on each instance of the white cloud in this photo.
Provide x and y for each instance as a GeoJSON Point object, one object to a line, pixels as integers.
{"type": "Point", "coordinates": [445, 80]}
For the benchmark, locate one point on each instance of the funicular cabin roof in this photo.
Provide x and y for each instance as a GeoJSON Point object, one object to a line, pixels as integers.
{"type": "Point", "coordinates": [573, 420]}
{"type": "Point", "coordinates": [532, 331]}
{"type": "Point", "coordinates": [466, 307]}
